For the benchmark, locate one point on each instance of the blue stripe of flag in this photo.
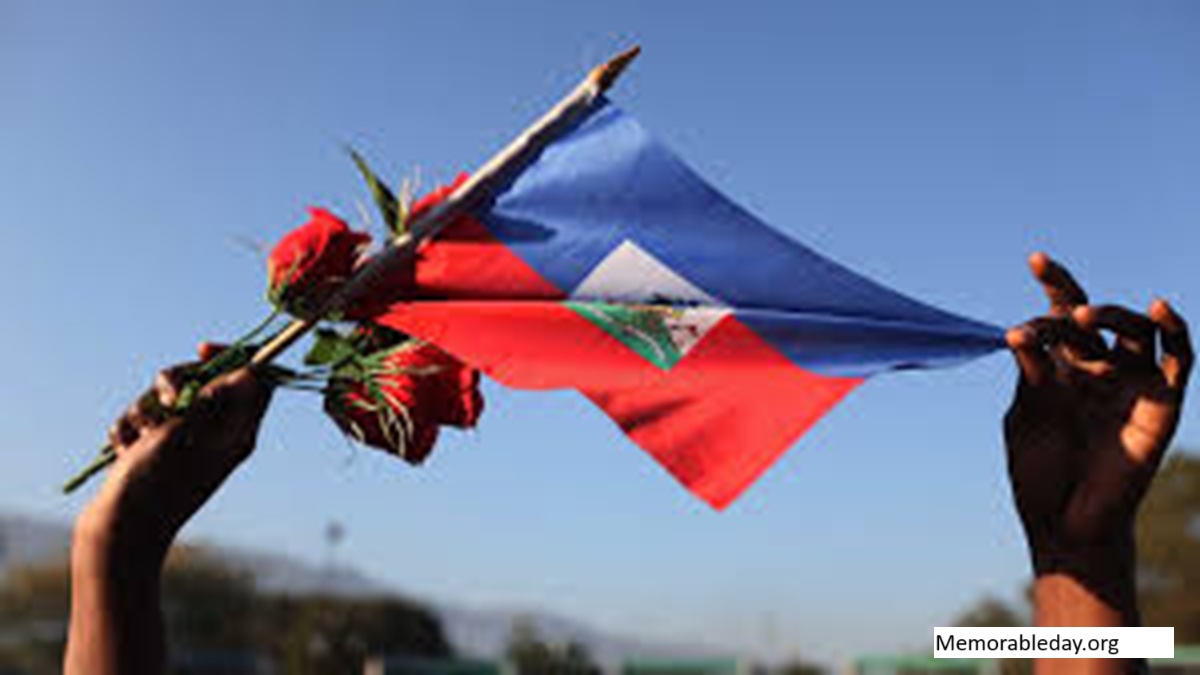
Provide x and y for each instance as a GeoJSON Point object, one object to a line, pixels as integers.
{"type": "Point", "coordinates": [608, 181]}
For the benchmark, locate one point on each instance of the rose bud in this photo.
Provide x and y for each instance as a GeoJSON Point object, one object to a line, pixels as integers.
{"type": "Point", "coordinates": [311, 262]}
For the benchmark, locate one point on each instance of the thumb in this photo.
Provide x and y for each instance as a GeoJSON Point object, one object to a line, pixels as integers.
{"type": "Point", "coordinates": [1034, 362]}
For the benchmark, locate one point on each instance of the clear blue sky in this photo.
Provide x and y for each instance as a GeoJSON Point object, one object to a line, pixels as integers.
{"type": "Point", "coordinates": [929, 144]}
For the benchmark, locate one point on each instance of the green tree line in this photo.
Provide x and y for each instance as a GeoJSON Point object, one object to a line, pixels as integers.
{"type": "Point", "coordinates": [212, 608]}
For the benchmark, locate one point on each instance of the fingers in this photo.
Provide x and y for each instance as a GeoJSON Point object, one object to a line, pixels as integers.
{"type": "Point", "coordinates": [1034, 361]}
{"type": "Point", "coordinates": [1049, 348]}
{"type": "Point", "coordinates": [169, 383]}
{"type": "Point", "coordinates": [1178, 357]}
{"type": "Point", "coordinates": [1062, 333]}
{"type": "Point", "coordinates": [1135, 332]}
{"type": "Point", "coordinates": [121, 433]}
{"type": "Point", "coordinates": [149, 410]}
{"type": "Point", "coordinates": [154, 406]}
{"type": "Point", "coordinates": [1063, 292]}
{"type": "Point", "coordinates": [233, 403]}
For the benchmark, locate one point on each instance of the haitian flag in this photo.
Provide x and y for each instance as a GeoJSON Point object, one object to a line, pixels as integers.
{"type": "Point", "coordinates": [606, 265]}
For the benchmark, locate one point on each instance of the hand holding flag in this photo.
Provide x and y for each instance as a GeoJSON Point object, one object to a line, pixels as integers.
{"type": "Point", "coordinates": [1090, 422]}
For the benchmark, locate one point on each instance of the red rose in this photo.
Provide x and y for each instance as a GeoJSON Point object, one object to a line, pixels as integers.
{"type": "Point", "coordinates": [312, 261]}
{"type": "Point", "coordinates": [416, 389]}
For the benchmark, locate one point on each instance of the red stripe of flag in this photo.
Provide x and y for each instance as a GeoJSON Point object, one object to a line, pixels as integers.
{"type": "Point", "coordinates": [716, 420]}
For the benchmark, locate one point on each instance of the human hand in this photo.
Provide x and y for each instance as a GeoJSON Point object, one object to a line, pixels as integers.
{"type": "Point", "coordinates": [168, 465]}
{"type": "Point", "coordinates": [1090, 422]}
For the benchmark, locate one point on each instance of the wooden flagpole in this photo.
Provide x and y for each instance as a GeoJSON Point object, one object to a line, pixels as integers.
{"type": "Point", "coordinates": [473, 191]}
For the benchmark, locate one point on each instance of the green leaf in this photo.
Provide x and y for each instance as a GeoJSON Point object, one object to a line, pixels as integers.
{"type": "Point", "coordinates": [350, 370]}
{"type": "Point", "coordinates": [329, 347]}
{"type": "Point", "coordinates": [389, 207]}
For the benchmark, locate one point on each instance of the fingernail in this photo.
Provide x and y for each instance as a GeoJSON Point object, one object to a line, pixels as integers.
{"type": "Point", "coordinates": [1084, 315]}
{"type": "Point", "coordinates": [1161, 310]}
{"type": "Point", "coordinates": [1019, 337]}
{"type": "Point", "coordinates": [1038, 262]}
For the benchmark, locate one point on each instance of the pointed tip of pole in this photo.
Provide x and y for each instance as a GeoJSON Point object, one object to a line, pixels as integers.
{"type": "Point", "coordinates": [605, 74]}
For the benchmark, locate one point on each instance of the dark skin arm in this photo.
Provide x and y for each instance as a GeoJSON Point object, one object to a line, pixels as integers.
{"type": "Point", "coordinates": [166, 469]}
{"type": "Point", "coordinates": [1086, 432]}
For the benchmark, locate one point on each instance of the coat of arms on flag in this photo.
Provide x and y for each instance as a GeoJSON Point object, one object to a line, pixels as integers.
{"type": "Point", "coordinates": [651, 309]}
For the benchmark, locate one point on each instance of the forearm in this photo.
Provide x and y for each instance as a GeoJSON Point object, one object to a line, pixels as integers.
{"type": "Point", "coordinates": [116, 624]}
{"type": "Point", "coordinates": [165, 471]}
{"type": "Point", "coordinates": [1092, 587]}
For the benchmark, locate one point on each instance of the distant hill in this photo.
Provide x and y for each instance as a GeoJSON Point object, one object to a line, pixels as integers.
{"type": "Point", "coordinates": [26, 540]}
{"type": "Point", "coordinates": [475, 632]}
